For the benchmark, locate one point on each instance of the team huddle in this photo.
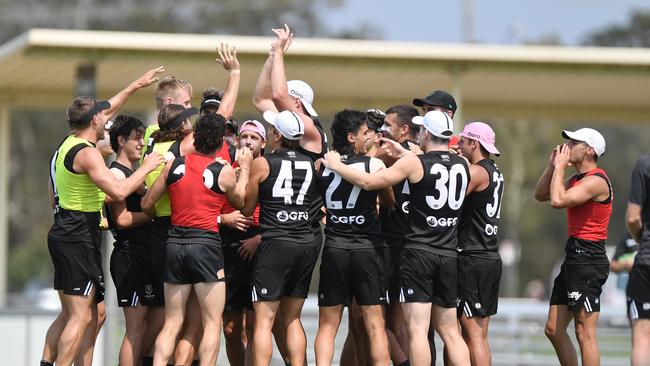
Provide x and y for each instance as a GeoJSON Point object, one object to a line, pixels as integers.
{"type": "Point", "coordinates": [219, 225]}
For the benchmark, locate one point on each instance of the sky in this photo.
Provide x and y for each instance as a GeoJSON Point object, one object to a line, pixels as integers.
{"type": "Point", "coordinates": [495, 21]}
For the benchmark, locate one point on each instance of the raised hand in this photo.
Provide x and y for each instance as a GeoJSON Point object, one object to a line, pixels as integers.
{"type": "Point", "coordinates": [228, 57]}
{"type": "Point", "coordinates": [282, 43]}
{"type": "Point", "coordinates": [149, 77]}
{"type": "Point", "coordinates": [562, 154]}
{"type": "Point", "coordinates": [244, 157]}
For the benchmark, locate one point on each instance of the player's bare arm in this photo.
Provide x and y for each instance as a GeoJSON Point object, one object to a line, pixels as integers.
{"type": "Point", "coordinates": [402, 169]}
{"type": "Point", "coordinates": [591, 188]}
{"type": "Point", "coordinates": [90, 161]}
{"type": "Point", "coordinates": [228, 59]}
{"type": "Point", "coordinates": [156, 191]}
{"type": "Point", "coordinates": [259, 172]}
{"type": "Point", "coordinates": [633, 221]}
{"type": "Point", "coordinates": [118, 100]}
{"type": "Point", "coordinates": [123, 217]}
{"type": "Point", "coordinates": [235, 187]}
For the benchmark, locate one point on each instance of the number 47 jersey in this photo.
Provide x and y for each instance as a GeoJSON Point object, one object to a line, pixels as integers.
{"type": "Point", "coordinates": [285, 197]}
{"type": "Point", "coordinates": [436, 203]}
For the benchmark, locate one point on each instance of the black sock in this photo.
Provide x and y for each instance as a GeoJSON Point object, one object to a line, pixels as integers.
{"type": "Point", "coordinates": [405, 363]}
{"type": "Point", "coordinates": [46, 363]}
{"type": "Point", "coordinates": [147, 361]}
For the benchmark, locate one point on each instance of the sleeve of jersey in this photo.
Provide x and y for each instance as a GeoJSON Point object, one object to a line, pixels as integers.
{"type": "Point", "coordinates": [211, 177]}
{"type": "Point", "coordinates": [638, 192]}
{"type": "Point", "coordinates": [376, 165]}
{"type": "Point", "coordinates": [177, 171]}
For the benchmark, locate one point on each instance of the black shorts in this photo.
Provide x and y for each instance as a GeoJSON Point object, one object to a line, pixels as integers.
{"type": "Point", "coordinates": [478, 285]}
{"type": "Point", "coordinates": [77, 266]}
{"type": "Point", "coordinates": [580, 284]}
{"type": "Point", "coordinates": [155, 293]}
{"type": "Point", "coordinates": [239, 280]}
{"type": "Point", "coordinates": [392, 259]}
{"type": "Point", "coordinates": [428, 277]}
{"type": "Point", "coordinates": [283, 269]}
{"type": "Point", "coordinates": [638, 299]}
{"type": "Point", "coordinates": [193, 263]}
{"type": "Point", "coordinates": [345, 274]}
{"type": "Point", "coordinates": [132, 274]}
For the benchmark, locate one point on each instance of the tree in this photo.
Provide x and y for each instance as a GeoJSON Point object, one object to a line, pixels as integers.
{"type": "Point", "coordinates": [634, 34]}
{"type": "Point", "coordinates": [242, 17]}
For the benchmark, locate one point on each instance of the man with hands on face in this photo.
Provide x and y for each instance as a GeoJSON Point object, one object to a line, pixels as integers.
{"type": "Point", "coordinates": [587, 196]}
{"type": "Point", "coordinates": [240, 238]}
{"type": "Point", "coordinates": [438, 182]}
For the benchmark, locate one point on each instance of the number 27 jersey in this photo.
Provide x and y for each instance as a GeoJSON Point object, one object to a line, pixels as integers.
{"type": "Point", "coordinates": [436, 202]}
{"type": "Point", "coordinates": [285, 197]}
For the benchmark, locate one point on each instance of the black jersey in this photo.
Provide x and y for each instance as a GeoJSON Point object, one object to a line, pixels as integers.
{"type": "Point", "coordinates": [133, 234]}
{"type": "Point", "coordinates": [436, 202]}
{"type": "Point", "coordinates": [479, 220]}
{"type": "Point", "coordinates": [639, 194]}
{"type": "Point", "coordinates": [395, 222]}
{"type": "Point", "coordinates": [315, 212]}
{"type": "Point", "coordinates": [352, 221]}
{"type": "Point", "coordinates": [285, 197]}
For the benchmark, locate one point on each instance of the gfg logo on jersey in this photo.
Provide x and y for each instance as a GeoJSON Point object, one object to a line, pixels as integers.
{"type": "Point", "coordinates": [491, 229]}
{"type": "Point", "coordinates": [405, 206]}
{"type": "Point", "coordinates": [442, 222]}
{"type": "Point", "coordinates": [284, 216]}
{"type": "Point", "coordinates": [359, 220]}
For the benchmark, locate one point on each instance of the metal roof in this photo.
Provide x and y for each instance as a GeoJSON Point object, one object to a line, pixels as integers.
{"type": "Point", "coordinates": [37, 69]}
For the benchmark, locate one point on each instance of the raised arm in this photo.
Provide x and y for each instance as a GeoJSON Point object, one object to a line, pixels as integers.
{"type": "Point", "coordinates": [280, 93]}
{"type": "Point", "coordinates": [157, 189]}
{"type": "Point", "coordinates": [118, 100]}
{"type": "Point", "coordinates": [90, 161]}
{"type": "Point", "coordinates": [262, 95]}
{"type": "Point", "coordinates": [228, 59]}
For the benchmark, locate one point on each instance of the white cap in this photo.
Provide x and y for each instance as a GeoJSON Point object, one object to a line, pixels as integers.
{"type": "Point", "coordinates": [589, 136]}
{"type": "Point", "coordinates": [436, 122]}
{"type": "Point", "coordinates": [301, 90]}
{"type": "Point", "coordinates": [288, 123]}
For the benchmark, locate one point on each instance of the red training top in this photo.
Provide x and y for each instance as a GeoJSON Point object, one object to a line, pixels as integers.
{"type": "Point", "coordinates": [196, 199]}
{"type": "Point", "coordinates": [589, 221]}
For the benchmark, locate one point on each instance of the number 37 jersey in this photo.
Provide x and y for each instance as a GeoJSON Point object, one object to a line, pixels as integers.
{"type": "Point", "coordinates": [285, 197]}
{"type": "Point", "coordinates": [436, 203]}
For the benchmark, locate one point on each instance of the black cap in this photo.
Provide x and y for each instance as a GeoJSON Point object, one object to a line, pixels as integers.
{"type": "Point", "coordinates": [178, 121]}
{"type": "Point", "coordinates": [438, 98]}
{"type": "Point", "coordinates": [210, 100]}
{"type": "Point", "coordinates": [97, 107]}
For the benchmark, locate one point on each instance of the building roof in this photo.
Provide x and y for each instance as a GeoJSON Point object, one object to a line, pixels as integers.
{"type": "Point", "coordinates": [38, 68]}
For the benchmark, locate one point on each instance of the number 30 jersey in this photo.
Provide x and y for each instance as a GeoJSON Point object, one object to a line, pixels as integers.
{"type": "Point", "coordinates": [477, 235]}
{"type": "Point", "coordinates": [352, 221]}
{"type": "Point", "coordinates": [285, 196]}
{"type": "Point", "coordinates": [436, 202]}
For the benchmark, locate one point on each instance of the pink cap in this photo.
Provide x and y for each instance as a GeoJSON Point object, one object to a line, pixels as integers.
{"type": "Point", "coordinates": [483, 134]}
{"type": "Point", "coordinates": [255, 126]}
